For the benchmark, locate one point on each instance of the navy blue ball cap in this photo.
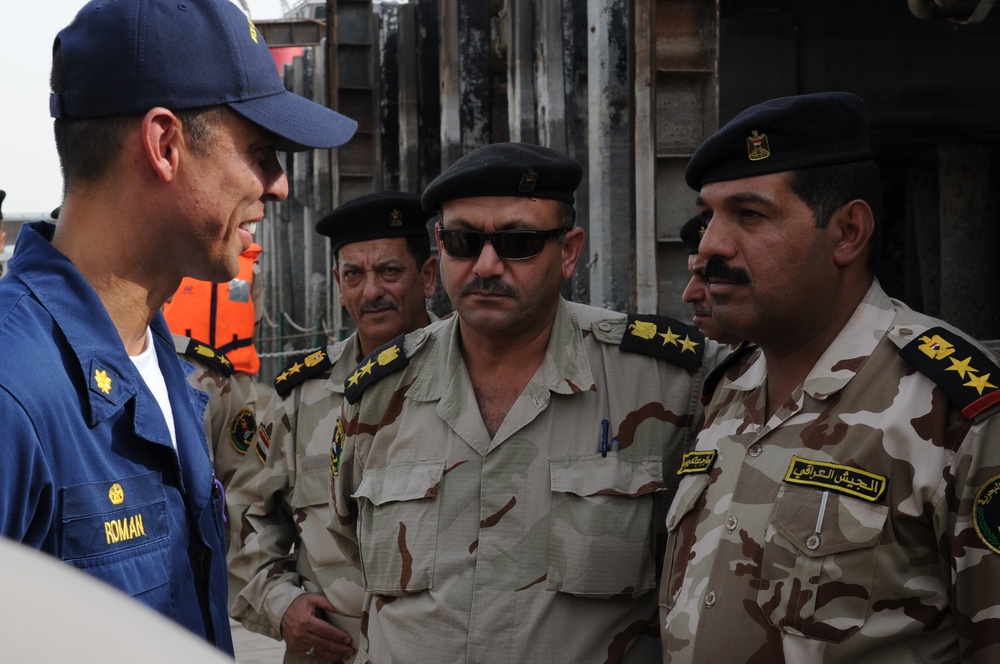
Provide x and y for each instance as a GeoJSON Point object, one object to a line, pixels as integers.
{"type": "Point", "coordinates": [784, 134]}
{"type": "Point", "coordinates": [124, 57]}
{"type": "Point", "coordinates": [373, 216]}
{"type": "Point", "coordinates": [691, 233]}
{"type": "Point", "coordinates": [507, 169]}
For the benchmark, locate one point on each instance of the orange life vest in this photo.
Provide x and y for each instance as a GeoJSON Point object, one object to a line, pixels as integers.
{"type": "Point", "coordinates": [220, 314]}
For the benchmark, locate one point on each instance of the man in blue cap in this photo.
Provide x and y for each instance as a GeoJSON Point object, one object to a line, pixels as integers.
{"type": "Point", "coordinates": [168, 116]}
{"type": "Point", "coordinates": [846, 509]}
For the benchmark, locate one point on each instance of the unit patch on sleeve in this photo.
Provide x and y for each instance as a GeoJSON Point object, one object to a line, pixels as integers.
{"type": "Point", "coordinates": [263, 445]}
{"type": "Point", "coordinates": [986, 514]}
{"type": "Point", "coordinates": [242, 428]}
{"type": "Point", "coordinates": [697, 462]}
{"type": "Point", "coordinates": [302, 368]}
{"type": "Point", "coordinates": [666, 338]}
{"type": "Point", "coordinates": [966, 374]}
{"type": "Point", "coordinates": [381, 362]}
{"type": "Point", "coordinates": [836, 477]}
{"type": "Point", "coordinates": [337, 447]}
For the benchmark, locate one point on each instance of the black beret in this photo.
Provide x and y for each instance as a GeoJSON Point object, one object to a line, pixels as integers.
{"type": "Point", "coordinates": [506, 169]}
{"type": "Point", "coordinates": [373, 216]}
{"type": "Point", "coordinates": [3, 195]}
{"type": "Point", "coordinates": [691, 233]}
{"type": "Point", "coordinates": [784, 134]}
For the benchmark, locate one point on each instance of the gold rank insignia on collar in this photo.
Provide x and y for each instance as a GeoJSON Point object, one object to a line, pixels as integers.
{"type": "Point", "coordinates": [103, 381]}
{"type": "Point", "coordinates": [966, 374]}
{"type": "Point", "coordinates": [665, 338]}
{"type": "Point", "coordinates": [302, 368]}
{"type": "Point", "coordinates": [381, 362]}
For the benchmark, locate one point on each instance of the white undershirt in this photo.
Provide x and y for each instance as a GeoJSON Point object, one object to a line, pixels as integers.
{"type": "Point", "coordinates": [149, 369]}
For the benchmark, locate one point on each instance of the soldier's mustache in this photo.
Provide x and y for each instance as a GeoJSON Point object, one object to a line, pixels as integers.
{"type": "Point", "coordinates": [491, 286]}
{"type": "Point", "coordinates": [380, 303]}
{"type": "Point", "coordinates": [718, 269]}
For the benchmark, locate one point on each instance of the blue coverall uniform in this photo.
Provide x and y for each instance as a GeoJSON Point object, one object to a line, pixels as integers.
{"type": "Point", "coordinates": [89, 472]}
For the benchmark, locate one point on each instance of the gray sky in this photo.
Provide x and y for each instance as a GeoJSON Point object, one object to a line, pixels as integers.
{"type": "Point", "coordinates": [29, 168]}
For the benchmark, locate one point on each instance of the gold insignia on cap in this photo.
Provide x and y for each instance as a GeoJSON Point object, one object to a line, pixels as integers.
{"type": "Point", "coordinates": [103, 381]}
{"type": "Point", "coordinates": [395, 218]}
{"type": "Point", "coordinates": [253, 31]}
{"type": "Point", "coordinates": [528, 182]}
{"type": "Point", "coordinates": [757, 146]}
{"type": "Point", "coordinates": [116, 494]}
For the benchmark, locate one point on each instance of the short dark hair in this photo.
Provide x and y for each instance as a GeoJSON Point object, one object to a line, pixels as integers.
{"type": "Point", "coordinates": [826, 189]}
{"type": "Point", "coordinates": [87, 147]}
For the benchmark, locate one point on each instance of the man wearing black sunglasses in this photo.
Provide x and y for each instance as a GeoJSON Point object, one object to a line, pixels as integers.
{"type": "Point", "coordinates": [502, 477]}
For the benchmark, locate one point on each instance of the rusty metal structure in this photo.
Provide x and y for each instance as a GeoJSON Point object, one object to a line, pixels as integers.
{"type": "Point", "coordinates": [630, 88]}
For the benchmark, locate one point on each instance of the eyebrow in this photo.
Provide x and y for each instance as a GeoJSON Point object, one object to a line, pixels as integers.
{"type": "Point", "coordinates": [742, 197]}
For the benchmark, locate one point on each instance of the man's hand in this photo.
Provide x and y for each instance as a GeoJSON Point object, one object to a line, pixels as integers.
{"type": "Point", "coordinates": [308, 634]}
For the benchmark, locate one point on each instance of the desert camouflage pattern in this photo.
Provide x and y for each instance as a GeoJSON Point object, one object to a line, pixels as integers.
{"type": "Point", "coordinates": [283, 508]}
{"type": "Point", "coordinates": [528, 547]}
{"type": "Point", "coordinates": [839, 531]}
{"type": "Point", "coordinates": [228, 417]}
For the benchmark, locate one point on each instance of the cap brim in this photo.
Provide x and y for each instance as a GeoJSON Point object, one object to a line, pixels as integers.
{"type": "Point", "coordinates": [299, 123]}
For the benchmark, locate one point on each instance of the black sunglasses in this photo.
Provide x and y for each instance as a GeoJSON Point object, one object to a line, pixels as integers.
{"type": "Point", "coordinates": [509, 245]}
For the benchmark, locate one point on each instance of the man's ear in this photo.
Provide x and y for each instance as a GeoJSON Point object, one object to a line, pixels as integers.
{"type": "Point", "coordinates": [853, 226]}
{"type": "Point", "coordinates": [571, 246]}
{"type": "Point", "coordinates": [162, 137]}
{"type": "Point", "coordinates": [428, 274]}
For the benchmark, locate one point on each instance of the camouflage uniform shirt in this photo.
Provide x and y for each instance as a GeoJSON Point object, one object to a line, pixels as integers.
{"type": "Point", "coordinates": [842, 529]}
{"type": "Point", "coordinates": [283, 507]}
{"type": "Point", "coordinates": [528, 547]}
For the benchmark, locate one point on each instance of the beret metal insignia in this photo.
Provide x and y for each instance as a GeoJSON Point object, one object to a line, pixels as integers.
{"type": "Point", "coordinates": [835, 477]}
{"type": "Point", "coordinates": [528, 182]}
{"type": "Point", "coordinates": [242, 428]}
{"type": "Point", "coordinates": [395, 219]}
{"type": "Point", "coordinates": [665, 338]}
{"type": "Point", "coordinates": [958, 367]}
{"type": "Point", "coordinates": [757, 146]}
{"type": "Point", "coordinates": [986, 514]}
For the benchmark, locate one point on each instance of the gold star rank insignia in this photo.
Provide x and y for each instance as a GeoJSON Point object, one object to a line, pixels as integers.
{"type": "Point", "coordinates": [681, 344]}
{"type": "Point", "coordinates": [380, 363]}
{"type": "Point", "coordinates": [311, 364]}
{"type": "Point", "coordinates": [966, 382]}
